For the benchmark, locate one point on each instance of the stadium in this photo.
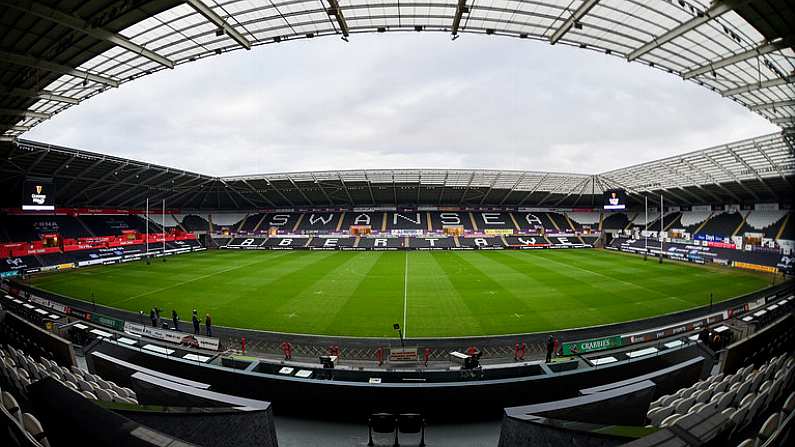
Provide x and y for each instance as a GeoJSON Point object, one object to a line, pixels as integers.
{"type": "Point", "coordinates": [145, 304]}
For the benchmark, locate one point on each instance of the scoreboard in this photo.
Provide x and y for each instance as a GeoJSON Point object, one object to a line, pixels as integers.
{"type": "Point", "coordinates": [614, 199]}
{"type": "Point", "coordinates": [38, 194]}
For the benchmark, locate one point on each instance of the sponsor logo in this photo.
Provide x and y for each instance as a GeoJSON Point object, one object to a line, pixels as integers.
{"type": "Point", "coordinates": [38, 198]}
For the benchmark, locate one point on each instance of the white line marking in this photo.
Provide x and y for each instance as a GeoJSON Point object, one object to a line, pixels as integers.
{"type": "Point", "coordinates": [405, 293]}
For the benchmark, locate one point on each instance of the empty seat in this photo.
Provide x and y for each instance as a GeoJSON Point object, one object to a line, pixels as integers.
{"type": "Point", "coordinates": [11, 407]}
{"type": "Point", "coordinates": [696, 407]}
{"type": "Point", "coordinates": [657, 415]}
{"type": "Point", "coordinates": [671, 420]}
{"type": "Point", "coordinates": [703, 396]}
{"type": "Point", "coordinates": [684, 406]}
{"type": "Point", "coordinates": [769, 427]}
{"type": "Point", "coordinates": [104, 395]}
{"type": "Point", "coordinates": [33, 427]}
{"type": "Point", "coordinates": [382, 423]}
{"type": "Point", "coordinates": [412, 423]}
{"type": "Point", "coordinates": [723, 401]}
{"type": "Point", "coordinates": [789, 404]}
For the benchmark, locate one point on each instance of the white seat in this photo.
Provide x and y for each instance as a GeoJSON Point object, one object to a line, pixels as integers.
{"type": "Point", "coordinates": [756, 406]}
{"type": "Point", "coordinates": [84, 386]}
{"type": "Point", "coordinates": [671, 420]}
{"type": "Point", "coordinates": [757, 381]}
{"type": "Point", "coordinates": [11, 406]}
{"type": "Point", "coordinates": [769, 427]}
{"type": "Point", "coordinates": [696, 407]}
{"type": "Point", "coordinates": [104, 395]}
{"type": "Point", "coordinates": [130, 393]}
{"type": "Point", "coordinates": [746, 443]}
{"type": "Point", "coordinates": [89, 395]}
{"type": "Point", "coordinates": [684, 405]}
{"type": "Point", "coordinates": [724, 401]}
{"type": "Point", "coordinates": [789, 404]}
{"type": "Point", "coordinates": [721, 386]}
{"type": "Point", "coordinates": [33, 427]}
{"type": "Point", "coordinates": [703, 396]}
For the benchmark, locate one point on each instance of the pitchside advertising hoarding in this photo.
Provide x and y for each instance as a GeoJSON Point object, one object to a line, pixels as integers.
{"type": "Point", "coordinates": [38, 194]}
{"type": "Point", "coordinates": [182, 338]}
{"type": "Point", "coordinates": [592, 345]}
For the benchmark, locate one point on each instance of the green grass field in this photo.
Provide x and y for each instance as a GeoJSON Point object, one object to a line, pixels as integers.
{"type": "Point", "coordinates": [430, 293]}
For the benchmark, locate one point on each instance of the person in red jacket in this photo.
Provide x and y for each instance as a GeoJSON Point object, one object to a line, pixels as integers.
{"type": "Point", "coordinates": [287, 349]}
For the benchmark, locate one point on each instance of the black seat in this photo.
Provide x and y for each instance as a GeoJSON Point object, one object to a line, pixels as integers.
{"type": "Point", "coordinates": [412, 423]}
{"type": "Point", "coordinates": [382, 423]}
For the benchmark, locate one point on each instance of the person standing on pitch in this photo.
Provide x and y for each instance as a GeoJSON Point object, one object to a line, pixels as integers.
{"type": "Point", "coordinates": [153, 317]}
{"type": "Point", "coordinates": [208, 325]}
{"type": "Point", "coordinates": [195, 322]}
{"type": "Point", "coordinates": [175, 319]}
{"type": "Point", "coordinates": [550, 348]}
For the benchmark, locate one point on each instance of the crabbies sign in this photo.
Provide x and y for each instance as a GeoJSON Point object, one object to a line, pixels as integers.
{"type": "Point", "coordinates": [180, 338]}
{"type": "Point", "coordinates": [594, 344]}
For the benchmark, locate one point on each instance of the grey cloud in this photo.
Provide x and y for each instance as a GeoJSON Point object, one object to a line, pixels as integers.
{"type": "Point", "coordinates": [405, 100]}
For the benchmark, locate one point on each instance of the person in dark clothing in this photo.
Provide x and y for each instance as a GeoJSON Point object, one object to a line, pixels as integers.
{"type": "Point", "coordinates": [550, 348]}
{"type": "Point", "coordinates": [195, 323]}
{"type": "Point", "coordinates": [153, 317]}
{"type": "Point", "coordinates": [175, 319]}
{"type": "Point", "coordinates": [208, 322]}
{"type": "Point", "coordinates": [157, 315]}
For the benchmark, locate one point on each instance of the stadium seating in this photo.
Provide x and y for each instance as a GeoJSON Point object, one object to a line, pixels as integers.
{"type": "Point", "coordinates": [193, 222]}
{"type": "Point", "coordinates": [439, 220]}
{"type": "Point", "coordinates": [615, 221]}
{"type": "Point", "coordinates": [768, 223]}
{"type": "Point", "coordinates": [743, 397]}
{"type": "Point", "coordinates": [25, 228]}
{"type": "Point", "coordinates": [721, 225]}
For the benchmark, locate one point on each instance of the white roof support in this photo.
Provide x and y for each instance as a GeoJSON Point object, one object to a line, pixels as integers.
{"type": "Point", "coordinates": [216, 20]}
{"type": "Point", "coordinates": [758, 86]}
{"type": "Point", "coordinates": [32, 62]}
{"type": "Point", "coordinates": [773, 105]}
{"type": "Point", "coordinates": [42, 94]}
{"type": "Point", "coordinates": [739, 57]}
{"type": "Point", "coordinates": [19, 128]}
{"type": "Point", "coordinates": [80, 25]}
{"type": "Point", "coordinates": [584, 9]}
{"type": "Point", "coordinates": [25, 113]}
{"type": "Point", "coordinates": [716, 10]}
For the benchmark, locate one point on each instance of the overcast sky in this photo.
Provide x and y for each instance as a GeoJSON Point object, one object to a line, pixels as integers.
{"type": "Point", "coordinates": [403, 100]}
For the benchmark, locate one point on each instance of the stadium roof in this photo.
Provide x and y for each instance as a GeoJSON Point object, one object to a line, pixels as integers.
{"type": "Point", "coordinates": [755, 170]}
{"type": "Point", "coordinates": [58, 53]}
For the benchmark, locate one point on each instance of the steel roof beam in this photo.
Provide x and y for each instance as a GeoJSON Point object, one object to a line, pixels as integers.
{"type": "Point", "coordinates": [334, 10]}
{"type": "Point", "coordinates": [739, 57]}
{"type": "Point", "coordinates": [785, 120]}
{"type": "Point", "coordinates": [758, 86]}
{"type": "Point", "coordinates": [582, 11]}
{"type": "Point", "coordinates": [717, 10]}
{"type": "Point", "coordinates": [26, 113]}
{"type": "Point", "coordinates": [264, 198]}
{"type": "Point", "coordinates": [216, 20]}
{"type": "Point", "coordinates": [459, 13]}
{"type": "Point", "coordinates": [345, 188]}
{"type": "Point", "coordinates": [80, 25]}
{"type": "Point", "coordinates": [39, 94]}
{"type": "Point", "coordinates": [32, 62]}
{"type": "Point", "coordinates": [773, 105]}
